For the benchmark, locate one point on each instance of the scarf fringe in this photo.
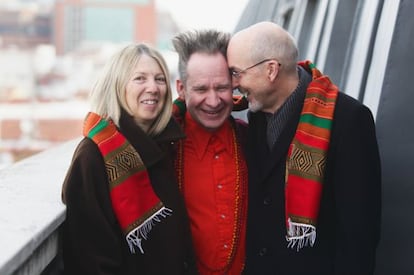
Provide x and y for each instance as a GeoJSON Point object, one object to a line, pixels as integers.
{"type": "Point", "coordinates": [300, 235]}
{"type": "Point", "coordinates": [135, 237]}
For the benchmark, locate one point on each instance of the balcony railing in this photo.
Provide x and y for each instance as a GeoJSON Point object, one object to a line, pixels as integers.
{"type": "Point", "coordinates": [31, 211]}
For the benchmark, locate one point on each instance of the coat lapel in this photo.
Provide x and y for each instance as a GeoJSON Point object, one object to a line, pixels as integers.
{"type": "Point", "coordinates": [258, 150]}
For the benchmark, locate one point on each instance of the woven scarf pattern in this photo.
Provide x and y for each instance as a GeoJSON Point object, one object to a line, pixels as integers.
{"type": "Point", "coordinates": [134, 202]}
{"type": "Point", "coordinates": [307, 158]}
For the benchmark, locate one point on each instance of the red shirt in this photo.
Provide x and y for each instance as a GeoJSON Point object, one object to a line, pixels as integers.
{"type": "Point", "coordinates": [210, 188]}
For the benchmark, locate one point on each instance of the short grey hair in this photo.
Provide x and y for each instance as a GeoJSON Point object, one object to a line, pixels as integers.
{"type": "Point", "coordinates": [202, 41]}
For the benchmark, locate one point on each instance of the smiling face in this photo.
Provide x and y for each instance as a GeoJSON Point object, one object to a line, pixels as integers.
{"type": "Point", "coordinates": [146, 91]}
{"type": "Point", "coordinates": [263, 59]}
{"type": "Point", "coordinates": [252, 83]}
{"type": "Point", "coordinates": [208, 92]}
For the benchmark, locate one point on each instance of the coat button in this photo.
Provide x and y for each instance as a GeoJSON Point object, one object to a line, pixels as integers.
{"type": "Point", "coordinates": [262, 251]}
{"type": "Point", "coordinates": [267, 201]}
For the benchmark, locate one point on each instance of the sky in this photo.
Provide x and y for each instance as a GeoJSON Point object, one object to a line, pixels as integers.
{"type": "Point", "coordinates": [196, 14]}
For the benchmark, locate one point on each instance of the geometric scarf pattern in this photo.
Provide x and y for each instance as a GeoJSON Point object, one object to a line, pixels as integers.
{"type": "Point", "coordinates": [134, 202]}
{"type": "Point", "coordinates": [305, 164]}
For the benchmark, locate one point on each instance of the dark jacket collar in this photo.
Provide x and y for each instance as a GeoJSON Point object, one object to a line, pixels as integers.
{"type": "Point", "coordinates": [148, 147]}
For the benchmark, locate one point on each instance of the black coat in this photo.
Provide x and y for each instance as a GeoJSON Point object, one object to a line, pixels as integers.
{"type": "Point", "coordinates": [93, 242]}
{"type": "Point", "coordinates": [348, 227]}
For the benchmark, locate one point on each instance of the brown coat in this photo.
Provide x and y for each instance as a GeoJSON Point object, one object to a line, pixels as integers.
{"type": "Point", "coordinates": [93, 242]}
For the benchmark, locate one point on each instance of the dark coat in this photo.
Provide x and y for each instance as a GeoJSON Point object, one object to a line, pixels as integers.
{"type": "Point", "coordinates": [93, 242]}
{"type": "Point", "coordinates": [348, 227]}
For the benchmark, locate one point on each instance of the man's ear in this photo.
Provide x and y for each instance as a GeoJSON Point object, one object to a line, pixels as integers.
{"type": "Point", "coordinates": [180, 88]}
{"type": "Point", "coordinates": [272, 69]}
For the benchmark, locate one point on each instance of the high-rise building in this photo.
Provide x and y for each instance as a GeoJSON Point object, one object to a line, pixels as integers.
{"type": "Point", "coordinates": [83, 22]}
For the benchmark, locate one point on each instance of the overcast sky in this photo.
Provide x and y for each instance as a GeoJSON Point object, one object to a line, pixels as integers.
{"type": "Point", "coordinates": [220, 14]}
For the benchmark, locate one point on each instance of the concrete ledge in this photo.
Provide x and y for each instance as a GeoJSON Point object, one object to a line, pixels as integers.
{"type": "Point", "coordinates": [31, 210]}
{"type": "Point", "coordinates": [41, 257]}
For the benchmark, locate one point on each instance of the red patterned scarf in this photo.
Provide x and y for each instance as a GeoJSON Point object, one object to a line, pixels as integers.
{"type": "Point", "coordinates": [134, 202]}
{"type": "Point", "coordinates": [306, 159]}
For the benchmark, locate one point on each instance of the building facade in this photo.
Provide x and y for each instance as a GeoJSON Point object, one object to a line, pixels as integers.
{"type": "Point", "coordinates": [80, 23]}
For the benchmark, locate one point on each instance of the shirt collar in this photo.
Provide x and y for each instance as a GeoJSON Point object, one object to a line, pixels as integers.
{"type": "Point", "coordinates": [201, 138]}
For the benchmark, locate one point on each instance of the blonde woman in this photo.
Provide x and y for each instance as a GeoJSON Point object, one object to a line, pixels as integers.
{"type": "Point", "coordinates": [125, 214]}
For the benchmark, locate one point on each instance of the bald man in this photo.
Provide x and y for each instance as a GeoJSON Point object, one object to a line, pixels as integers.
{"type": "Point", "coordinates": [314, 167]}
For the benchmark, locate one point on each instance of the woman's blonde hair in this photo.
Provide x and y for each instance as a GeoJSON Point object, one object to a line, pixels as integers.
{"type": "Point", "coordinates": [108, 94]}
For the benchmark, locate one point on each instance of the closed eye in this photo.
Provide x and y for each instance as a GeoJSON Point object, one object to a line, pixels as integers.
{"type": "Point", "coordinates": [223, 88]}
{"type": "Point", "coordinates": [200, 89]}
